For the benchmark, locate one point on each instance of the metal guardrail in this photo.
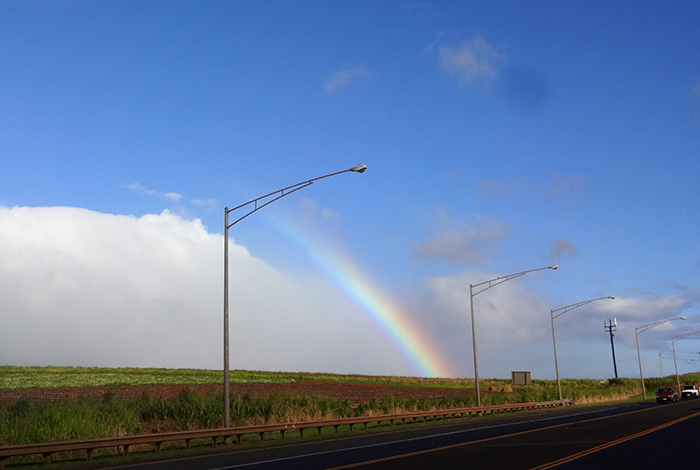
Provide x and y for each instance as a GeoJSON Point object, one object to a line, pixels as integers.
{"type": "Point", "coordinates": [47, 449]}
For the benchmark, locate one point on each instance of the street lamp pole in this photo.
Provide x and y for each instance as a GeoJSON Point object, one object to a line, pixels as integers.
{"type": "Point", "coordinates": [561, 311]}
{"type": "Point", "coordinates": [642, 329]}
{"type": "Point", "coordinates": [256, 204]}
{"type": "Point", "coordinates": [489, 284]}
{"type": "Point", "coordinates": [673, 343]}
{"type": "Point", "coordinates": [675, 363]}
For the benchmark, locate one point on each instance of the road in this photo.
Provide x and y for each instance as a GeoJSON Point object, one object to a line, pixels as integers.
{"type": "Point", "coordinates": [645, 434]}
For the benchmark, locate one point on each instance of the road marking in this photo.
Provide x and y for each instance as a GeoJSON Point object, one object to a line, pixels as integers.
{"type": "Point", "coordinates": [368, 446]}
{"type": "Point", "coordinates": [461, 431]}
{"type": "Point", "coordinates": [593, 450]}
{"type": "Point", "coordinates": [464, 444]}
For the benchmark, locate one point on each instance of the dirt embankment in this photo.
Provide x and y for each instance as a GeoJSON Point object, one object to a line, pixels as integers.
{"type": "Point", "coordinates": [356, 393]}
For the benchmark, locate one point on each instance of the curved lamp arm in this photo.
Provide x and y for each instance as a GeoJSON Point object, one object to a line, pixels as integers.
{"type": "Point", "coordinates": [643, 328]}
{"type": "Point", "coordinates": [568, 308]}
{"type": "Point", "coordinates": [258, 202]}
{"type": "Point", "coordinates": [501, 279]}
{"type": "Point", "coordinates": [676, 338]}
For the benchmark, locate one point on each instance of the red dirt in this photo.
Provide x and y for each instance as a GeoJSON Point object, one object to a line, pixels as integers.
{"type": "Point", "coordinates": [354, 392]}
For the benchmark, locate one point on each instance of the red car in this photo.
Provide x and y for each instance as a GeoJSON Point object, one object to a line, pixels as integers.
{"type": "Point", "coordinates": [666, 394]}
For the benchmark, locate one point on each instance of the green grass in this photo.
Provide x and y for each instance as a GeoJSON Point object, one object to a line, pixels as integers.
{"type": "Point", "coordinates": [70, 419]}
{"type": "Point", "coordinates": [74, 419]}
{"type": "Point", "coordinates": [12, 377]}
{"type": "Point", "coordinates": [50, 377]}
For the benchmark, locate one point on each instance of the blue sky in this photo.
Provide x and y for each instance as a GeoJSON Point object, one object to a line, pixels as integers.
{"type": "Point", "coordinates": [499, 137]}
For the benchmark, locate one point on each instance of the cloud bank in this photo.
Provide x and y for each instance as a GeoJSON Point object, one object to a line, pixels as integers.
{"type": "Point", "coordinates": [86, 288]}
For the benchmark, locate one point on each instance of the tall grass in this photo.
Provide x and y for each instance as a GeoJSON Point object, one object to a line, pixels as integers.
{"type": "Point", "coordinates": [71, 419]}
{"type": "Point", "coordinates": [29, 422]}
{"type": "Point", "coordinates": [68, 419]}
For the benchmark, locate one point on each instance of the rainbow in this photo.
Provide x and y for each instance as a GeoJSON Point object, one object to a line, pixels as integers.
{"type": "Point", "coordinates": [378, 307]}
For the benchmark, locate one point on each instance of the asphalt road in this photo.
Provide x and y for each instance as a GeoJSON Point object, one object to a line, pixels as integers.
{"type": "Point", "coordinates": [643, 434]}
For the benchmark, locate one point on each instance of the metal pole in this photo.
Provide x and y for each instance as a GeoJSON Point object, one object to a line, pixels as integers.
{"type": "Point", "coordinates": [642, 329]}
{"type": "Point", "coordinates": [639, 356]}
{"type": "Point", "coordinates": [610, 328]}
{"type": "Point", "coordinates": [476, 364]}
{"type": "Point", "coordinates": [227, 383]}
{"type": "Point", "coordinates": [491, 283]}
{"type": "Point", "coordinates": [556, 362]}
{"type": "Point", "coordinates": [561, 311]}
{"type": "Point", "coordinates": [257, 204]}
{"type": "Point", "coordinates": [675, 362]}
{"type": "Point", "coordinates": [613, 354]}
{"type": "Point", "coordinates": [673, 342]}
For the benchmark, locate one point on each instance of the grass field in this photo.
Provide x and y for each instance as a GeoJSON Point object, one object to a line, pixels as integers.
{"type": "Point", "coordinates": [12, 377]}
{"type": "Point", "coordinates": [28, 421]}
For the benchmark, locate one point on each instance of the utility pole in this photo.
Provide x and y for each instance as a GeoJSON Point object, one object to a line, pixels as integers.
{"type": "Point", "coordinates": [661, 367]}
{"type": "Point", "coordinates": [611, 327]}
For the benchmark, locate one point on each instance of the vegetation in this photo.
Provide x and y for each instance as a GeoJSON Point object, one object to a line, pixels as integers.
{"type": "Point", "coordinates": [12, 377]}
{"type": "Point", "coordinates": [51, 377]}
{"type": "Point", "coordinates": [26, 421]}
{"type": "Point", "coordinates": [73, 419]}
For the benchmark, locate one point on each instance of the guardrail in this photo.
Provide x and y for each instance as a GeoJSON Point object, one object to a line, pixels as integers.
{"type": "Point", "coordinates": [47, 449]}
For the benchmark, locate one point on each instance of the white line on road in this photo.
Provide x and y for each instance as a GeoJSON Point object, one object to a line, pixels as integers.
{"type": "Point", "coordinates": [368, 446]}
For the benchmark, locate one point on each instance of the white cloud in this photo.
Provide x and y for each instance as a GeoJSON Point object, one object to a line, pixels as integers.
{"type": "Point", "coordinates": [476, 61]}
{"type": "Point", "coordinates": [513, 327]}
{"type": "Point", "coordinates": [208, 204]}
{"type": "Point", "coordinates": [138, 188]}
{"type": "Point", "coordinates": [92, 289]}
{"type": "Point", "coordinates": [311, 211]}
{"type": "Point", "coordinates": [512, 324]}
{"type": "Point", "coordinates": [632, 312]}
{"type": "Point", "coordinates": [343, 78]}
{"type": "Point", "coordinates": [642, 310]}
{"type": "Point", "coordinates": [463, 243]}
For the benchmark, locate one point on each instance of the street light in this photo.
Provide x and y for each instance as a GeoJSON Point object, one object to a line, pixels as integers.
{"type": "Point", "coordinates": [562, 311]}
{"type": "Point", "coordinates": [642, 329]}
{"type": "Point", "coordinates": [491, 283]}
{"type": "Point", "coordinates": [673, 343]}
{"type": "Point", "coordinates": [258, 203]}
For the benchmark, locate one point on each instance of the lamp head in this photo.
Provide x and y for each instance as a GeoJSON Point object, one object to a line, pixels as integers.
{"type": "Point", "coordinates": [611, 297]}
{"type": "Point", "coordinates": [555, 266]}
{"type": "Point", "coordinates": [359, 168]}
{"type": "Point", "coordinates": [682, 318]}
